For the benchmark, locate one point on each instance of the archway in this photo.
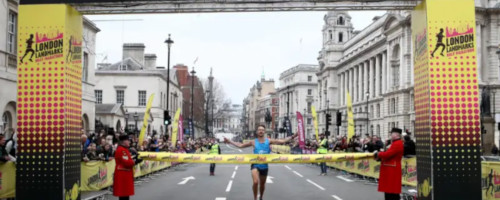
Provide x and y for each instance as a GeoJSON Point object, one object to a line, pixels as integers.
{"type": "Point", "coordinates": [85, 123]}
{"type": "Point", "coordinates": [118, 126]}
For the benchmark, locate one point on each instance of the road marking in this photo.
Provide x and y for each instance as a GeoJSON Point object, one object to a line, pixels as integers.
{"type": "Point", "coordinates": [228, 146]}
{"type": "Point", "coordinates": [229, 186]}
{"type": "Point", "coordinates": [345, 179]}
{"type": "Point", "coordinates": [288, 167]}
{"type": "Point", "coordinates": [269, 179]}
{"type": "Point", "coordinates": [234, 173]}
{"type": "Point", "coordinates": [186, 180]}
{"type": "Point", "coordinates": [336, 197]}
{"type": "Point", "coordinates": [220, 198]}
{"type": "Point", "coordinates": [318, 186]}
{"type": "Point", "coordinates": [298, 174]}
{"type": "Point", "coordinates": [236, 168]}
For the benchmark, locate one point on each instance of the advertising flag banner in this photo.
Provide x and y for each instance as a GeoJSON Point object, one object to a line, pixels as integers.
{"type": "Point", "coordinates": [315, 122]}
{"type": "Point", "coordinates": [146, 118]}
{"type": "Point", "coordinates": [300, 130]}
{"type": "Point", "coordinates": [181, 129]}
{"type": "Point", "coordinates": [350, 118]}
{"type": "Point", "coordinates": [175, 127]}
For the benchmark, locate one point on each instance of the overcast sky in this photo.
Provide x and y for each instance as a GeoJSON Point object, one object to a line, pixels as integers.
{"type": "Point", "coordinates": [238, 46]}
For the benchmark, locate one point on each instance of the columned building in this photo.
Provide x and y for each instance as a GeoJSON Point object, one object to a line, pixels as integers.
{"type": "Point", "coordinates": [297, 93]}
{"type": "Point", "coordinates": [375, 66]}
{"type": "Point", "coordinates": [130, 82]}
{"type": "Point", "coordinates": [229, 119]}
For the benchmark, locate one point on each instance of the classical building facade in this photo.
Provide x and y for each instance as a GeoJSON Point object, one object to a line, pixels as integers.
{"type": "Point", "coordinates": [229, 119]}
{"type": "Point", "coordinates": [375, 66]}
{"type": "Point", "coordinates": [131, 81]}
{"type": "Point", "coordinates": [259, 89]}
{"type": "Point", "coordinates": [297, 93]}
{"type": "Point", "coordinates": [8, 70]}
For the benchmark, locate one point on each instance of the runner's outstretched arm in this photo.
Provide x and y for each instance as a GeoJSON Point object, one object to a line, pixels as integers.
{"type": "Point", "coordinates": [283, 141]}
{"type": "Point", "coordinates": [238, 144]}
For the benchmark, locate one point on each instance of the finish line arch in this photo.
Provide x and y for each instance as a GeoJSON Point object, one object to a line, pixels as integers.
{"type": "Point", "coordinates": [49, 87]}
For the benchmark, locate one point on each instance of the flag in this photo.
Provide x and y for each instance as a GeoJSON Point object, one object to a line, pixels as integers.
{"type": "Point", "coordinates": [350, 118]}
{"type": "Point", "coordinates": [146, 118]}
{"type": "Point", "coordinates": [300, 130]}
{"type": "Point", "coordinates": [315, 122]}
{"type": "Point", "coordinates": [175, 128]}
{"type": "Point", "coordinates": [181, 129]}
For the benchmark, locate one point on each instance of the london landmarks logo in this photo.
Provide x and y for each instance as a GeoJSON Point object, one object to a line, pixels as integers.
{"type": "Point", "coordinates": [456, 41]}
{"type": "Point", "coordinates": [43, 46]}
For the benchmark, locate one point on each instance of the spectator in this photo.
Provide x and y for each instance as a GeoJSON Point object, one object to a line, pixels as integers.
{"type": "Point", "coordinates": [106, 153]}
{"type": "Point", "coordinates": [377, 144]}
{"type": "Point", "coordinates": [11, 145]}
{"type": "Point", "coordinates": [154, 144]}
{"type": "Point", "coordinates": [83, 144]}
{"type": "Point", "coordinates": [368, 145]}
{"type": "Point", "coordinates": [354, 145]}
{"type": "Point", "coordinates": [91, 153]}
{"type": "Point", "coordinates": [494, 150]}
{"type": "Point", "coordinates": [409, 146]}
{"type": "Point", "coordinates": [4, 156]}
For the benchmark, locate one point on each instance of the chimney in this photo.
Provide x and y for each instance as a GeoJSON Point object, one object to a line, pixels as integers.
{"type": "Point", "coordinates": [135, 51]}
{"type": "Point", "coordinates": [150, 61]}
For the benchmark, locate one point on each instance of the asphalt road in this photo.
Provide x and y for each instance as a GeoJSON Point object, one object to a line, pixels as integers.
{"type": "Point", "coordinates": [233, 182]}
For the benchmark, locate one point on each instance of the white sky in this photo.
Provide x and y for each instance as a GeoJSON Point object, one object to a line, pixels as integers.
{"type": "Point", "coordinates": [238, 46]}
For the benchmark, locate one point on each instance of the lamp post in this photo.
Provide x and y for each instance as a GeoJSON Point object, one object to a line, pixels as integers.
{"type": "Point", "coordinates": [136, 118]}
{"type": "Point", "coordinates": [169, 44]}
{"type": "Point", "coordinates": [206, 111]}
{"type": "Point", "coordinates": [192, 102]}
{"type": "Point", "coordinates": [126, 121]}
{"type": "Point", "coordinates": [368, 115]}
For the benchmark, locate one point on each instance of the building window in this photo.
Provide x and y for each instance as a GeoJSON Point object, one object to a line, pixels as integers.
{"type": "Point", "coordinates": [341, 37]}
{"type": "Point", "coordinates": [341, 21]}
{"type": "Point", "coordinates": [378, 110]}
{"type": "Point", "coordinates": [330, 34]}
{"type": "Point", "coordinates": [11, 33]}
{"type": "Point", "coordinates": [396, 105]}
{"type": "Point", "coordinates": [309, 120]}
{"type": "Point", "coordinates": [309, 78]}
{"type": "Point", "coordinates": [85, 67]}
{"type": "Point", "coordinates": [120, 96]}
{"type": "Point", "coordinates": [98, 96]}
{"type": "Point", "coordinates": [309, 104]}
{"type": "Point", "coordinates": [372, 112]}
{"type": "Point", "coordinates": [123, 67]}
{"type": "Point", "coordinates": [412, 99]}
{"type": "Point", "coordinates": [393, 106]}
{"type": "Point", "coordinates": [309, 92]}
{"type": "Point", "coordinates": [6, 120]}
{"type": "Point", "coordinates": [142, 98]}
{"type": "Point", "coordinates": [395, 75]}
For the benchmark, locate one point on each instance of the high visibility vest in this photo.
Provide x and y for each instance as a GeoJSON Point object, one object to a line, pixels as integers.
{"type": "Point", "coordinates": [214, 149]}
{"type": "Point", "coordinates": [321, 148]}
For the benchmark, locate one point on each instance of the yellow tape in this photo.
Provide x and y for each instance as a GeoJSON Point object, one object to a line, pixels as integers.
{"type": "Point", "coordinates": [252, 158]}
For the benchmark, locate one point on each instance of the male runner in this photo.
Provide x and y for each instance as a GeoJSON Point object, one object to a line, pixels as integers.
{"type": "Point", "coordinates": [29, 48]}
{"type": "Point", "coordinates": [261, 146]}
{"type": "Point", "coordinates": [439, 43]}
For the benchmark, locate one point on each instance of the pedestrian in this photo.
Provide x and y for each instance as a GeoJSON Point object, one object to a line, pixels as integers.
{"type": "Point", "coordinates": [11, 145]}
{"type": "Point", "coordinates": [261, 145]}
{"type": "Point", "coordinates": [4, 156]}
{"type": "Point", "coordinates": [390, 168]}
{"type": "Point", "coordinates": [409, 146]}
{"type": "Point", "coordinates": [214, 150]}
{"type": "Point", "coordinates": [322, 149]}
{"type": "Point", "coordinates": [123, 180]}
{"type": "Point", "coordinates": [494, 150]}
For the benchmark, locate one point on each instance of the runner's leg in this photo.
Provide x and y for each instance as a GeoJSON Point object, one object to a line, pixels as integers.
{"type": "Point", "coordinates": [255, 178]}
{"type": "Point", "coordinates": [263, 180]}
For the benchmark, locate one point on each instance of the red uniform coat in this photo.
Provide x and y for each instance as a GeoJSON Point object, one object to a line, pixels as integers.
{"type": "Point", "coordinates": [123, 182]}
{"type": "Point", "coordinates": [390, 168]}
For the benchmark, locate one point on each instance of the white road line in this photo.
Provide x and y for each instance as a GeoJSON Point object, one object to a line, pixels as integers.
{"type": "Point", "coordinates": [336, 197]}
{"type": "Point", "coordinates": [318, 186]}
{"type": "Point", "coordinates": [229, 186]}
{"type": "Point", "coordinates": [220, 198]}
{"type": "Point", "coordinates": [345, 179]}
{"type": "Point", "coordinates": [288, 167]}
{"type": "Point", "coordinates": [228, 146]}
{"type": "Point", "coordinates": [236, 168]}
{"type": "Point", "coordinates": [298, 174]}
{"type": "Point", "coordinates": [234, 173]}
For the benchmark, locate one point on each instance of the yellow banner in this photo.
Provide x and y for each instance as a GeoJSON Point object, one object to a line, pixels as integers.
{"type": "Point", "coordinates": [175, 127]}
{"type": "Point", "coordinates": [146, 118]}
{"type": "Point", "coordinates": [350, 118]}
{"type": "Point", "coordinates": [7, 180]}
{"type": "Point", "coordinates": [315, 122]}
{"type": "Point", "coordinates": [281, 149]}
{"type": "Point", "coordinates": [252, 158]}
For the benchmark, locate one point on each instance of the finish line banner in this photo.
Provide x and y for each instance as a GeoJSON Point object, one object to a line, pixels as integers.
{"type": "Point", "coordinates": [252, 158]}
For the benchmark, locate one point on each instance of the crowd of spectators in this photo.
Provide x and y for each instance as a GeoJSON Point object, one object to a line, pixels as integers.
{"type": "Point", "coordinates": [356, 144]}
{"type": "Point", "coordinates": [101, 146]}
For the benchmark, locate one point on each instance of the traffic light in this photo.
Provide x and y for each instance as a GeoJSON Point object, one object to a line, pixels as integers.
{"type": "Point", "coordinates": [328, 119]}
{"type": "Point", "coordinates": [166, 118]}
{"type": "Point", "coordinates": [339, 119]}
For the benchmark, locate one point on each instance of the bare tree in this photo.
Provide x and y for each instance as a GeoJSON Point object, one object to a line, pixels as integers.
{"type": "Point", "coordinates": [218, 102]}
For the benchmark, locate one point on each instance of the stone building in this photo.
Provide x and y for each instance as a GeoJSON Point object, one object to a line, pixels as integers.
{"type": "Point", "coordinates": [259, 89]}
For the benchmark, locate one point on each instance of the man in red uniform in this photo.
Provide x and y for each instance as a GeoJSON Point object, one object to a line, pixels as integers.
{"type": "Point", "coordinates": [123, 182]}
{"type": "Point", "coordinates": [390, 168]}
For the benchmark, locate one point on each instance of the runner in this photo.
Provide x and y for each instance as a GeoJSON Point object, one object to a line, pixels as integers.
{"type": "Point", "coordinates": [29, 48]}
{"type": "Point", "coordinates": [261, 146]}
{"type": "Point", "coordinates": [439, 43]}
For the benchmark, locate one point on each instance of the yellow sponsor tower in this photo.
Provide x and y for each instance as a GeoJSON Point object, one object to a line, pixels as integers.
{"type": "Point", "coordinates": [446, 100]}
{"type": "Point", "coordinates": [49, 102]}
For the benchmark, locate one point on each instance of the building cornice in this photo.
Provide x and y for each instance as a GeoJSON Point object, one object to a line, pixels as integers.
{"type": "Point", "coordinates": [134, 73]}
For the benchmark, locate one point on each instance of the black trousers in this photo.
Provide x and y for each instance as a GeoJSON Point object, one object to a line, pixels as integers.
{"type": "Point", "coordinates": [389, 196]}
{"type": "Point", "coordinates": [212, 167]}
{"type": "Point", "coordinates": [124, 198]}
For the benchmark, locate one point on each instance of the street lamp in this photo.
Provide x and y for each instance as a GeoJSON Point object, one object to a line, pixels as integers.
{"type": "Point", "coordinates": [169, 44]}
{"type": "Point", "coordinates": [207, 97]}
{"type": "Point", "coordinates": [126, 121]}
{"type": "Point", "coordinates": [368, 115]}
{"type": "Point", "coordinates": [136, 118]}
{"type": "Point", "coordinates": [192, 102]}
